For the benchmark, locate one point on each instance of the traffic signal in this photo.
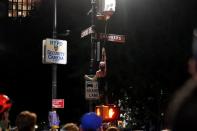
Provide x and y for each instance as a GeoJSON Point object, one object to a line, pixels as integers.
{"type": "Point", "coordinates": [108, 112]}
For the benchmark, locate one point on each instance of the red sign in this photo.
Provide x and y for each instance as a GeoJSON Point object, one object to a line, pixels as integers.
{"type": "Point", "coordinates": [57, 103]}
{"type": "Point", "coordinates": [112, 37]}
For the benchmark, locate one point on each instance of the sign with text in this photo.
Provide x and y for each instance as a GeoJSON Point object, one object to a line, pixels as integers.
{"type": "Point", "coordinates": [87, 31]}
{"type": "Point", "coordinates": [91, 90]}
{"type": "Point", "coordinates": [54, 51]}
{"type": "Point", "coordinates": [112, 37]}
{"type": "Point", "coordinates": [57, 103]}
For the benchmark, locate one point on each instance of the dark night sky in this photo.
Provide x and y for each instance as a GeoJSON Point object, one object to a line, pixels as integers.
{"type": "Point", "coordinates": [154, 57]}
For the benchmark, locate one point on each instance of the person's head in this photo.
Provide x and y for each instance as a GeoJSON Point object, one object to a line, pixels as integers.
{"type": "Point", "coordinates": [5, 105]}
{"type": "Point", "coordinates": [26, 121]}
{"type": "Point", "coordinates": [112, 128]}
{"type": "Point", "coordinates": [193, 60]}
{"type": "Point", "coordinates": [102, 65]}
{"type": "Point", "coordinates": [70, 127]}
{"type": "Point", "coordinates": [91, 122]}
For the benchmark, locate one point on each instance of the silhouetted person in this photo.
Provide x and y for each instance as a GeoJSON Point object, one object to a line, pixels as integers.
{"type": "Point", "coordinates": [5, 105]}
{"type": "Point", "coordinates": [91, 122]}
{"type": "Point", "coordinates": [101, 73]}
{"type": "Point", "coordinates": [182, 111]}
{"type": "Point", "coordinates": [26, 121]}
{"type": "Point", "coordinates": [70, 127]}
{"type": "Point", "coordinates": [112, 128]}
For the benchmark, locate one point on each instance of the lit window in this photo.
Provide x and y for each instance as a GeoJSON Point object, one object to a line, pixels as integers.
{"type": "Point", "coordinates": [19, 13]}
{"type": "Point", "coordinates": [14, 7]}
{"type": "Point", "coordinates": [20, 8]}
{"type": "Point", "coordinates": [24, 14]}
{"type": "Point", "coordinates": [24, 7]}
{"type": "Point", "coordinates": [10, 14]}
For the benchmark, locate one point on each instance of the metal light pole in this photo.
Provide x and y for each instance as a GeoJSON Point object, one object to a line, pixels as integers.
{"type": "Point", "coordinates": [54, 66]}
{"type": "Point", "coordinates": [53, 116]}
{"type": "Point", "coordinates": [93, 37]}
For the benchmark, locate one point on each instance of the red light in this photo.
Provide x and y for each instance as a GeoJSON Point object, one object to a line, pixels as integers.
{"type": "Point", "coordinates": [111, 112]}
{"type": "Point", "coordinates": [108, 112]}
{"type": "Point", "coordinates": [98, 112]}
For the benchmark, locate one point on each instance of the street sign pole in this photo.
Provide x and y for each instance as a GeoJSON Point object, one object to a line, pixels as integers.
{"type": "Point", "coordinates": [54, 66]}
{"type": "Point", "coordinates": [93, 17]}
{"type": "Point", "coordinates": [103, 11]}
{"type": "Point", "coordinates": [54, 69]}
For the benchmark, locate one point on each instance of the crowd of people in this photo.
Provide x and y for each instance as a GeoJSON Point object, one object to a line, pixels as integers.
{"type": "Point", "coordinates": [27, 120]}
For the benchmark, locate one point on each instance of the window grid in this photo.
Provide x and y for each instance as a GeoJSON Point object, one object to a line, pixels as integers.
{"type": "Point", "coordinates": [20, 8]}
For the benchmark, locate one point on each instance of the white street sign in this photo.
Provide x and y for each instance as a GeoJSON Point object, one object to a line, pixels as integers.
{"type": "Point", "coordinates": [91, 90]}
{"type": "Point", "coordinates": [54, 51]}
{"type": "Point", "coordinates": [87, 32]}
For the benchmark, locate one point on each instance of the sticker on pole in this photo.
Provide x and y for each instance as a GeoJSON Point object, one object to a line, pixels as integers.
{"type": "Point", "coordinates": [53, 119]}
{"type": "Point", "coordinates": [54, 51]}
{"type": "Point", "coordinates": [58, 103]}
{"type": "Point", "coordinates": [91, 90]}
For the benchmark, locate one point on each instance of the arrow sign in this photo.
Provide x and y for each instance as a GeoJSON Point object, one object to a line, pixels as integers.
{"type": "Point", "coordinates": [87, 31]}
{"type": "Point", "coordinates": [112, 37]}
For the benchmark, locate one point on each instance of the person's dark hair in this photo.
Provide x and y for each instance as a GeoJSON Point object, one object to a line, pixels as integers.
{"type": "Point", "coordinates": [26, 121]}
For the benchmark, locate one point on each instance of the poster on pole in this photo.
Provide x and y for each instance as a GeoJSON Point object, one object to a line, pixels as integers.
{"type": "Point", "coordinates": [91, 90]}
{"type": "Point", "coordinates": [54, 51]}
